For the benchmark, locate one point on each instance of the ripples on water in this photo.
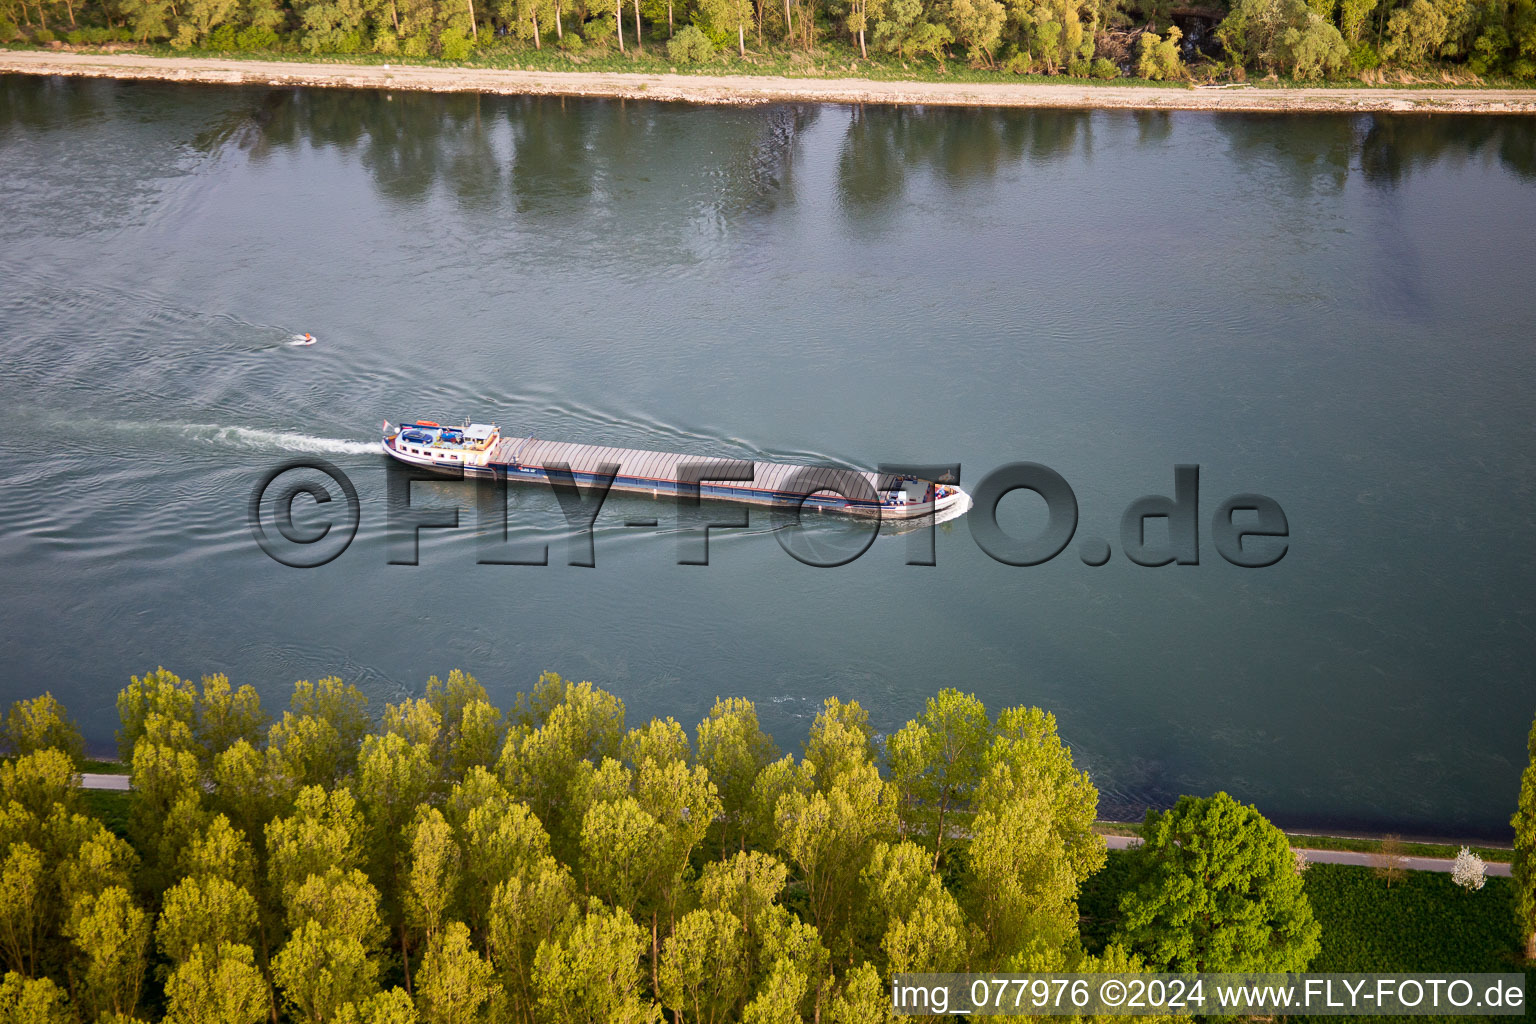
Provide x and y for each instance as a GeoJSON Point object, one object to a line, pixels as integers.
{"type": "Point", "coordinates": [1331, 310]}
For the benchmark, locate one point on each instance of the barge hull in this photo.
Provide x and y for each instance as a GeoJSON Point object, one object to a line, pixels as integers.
{"type": "Point", "coordinates": [526, 459]}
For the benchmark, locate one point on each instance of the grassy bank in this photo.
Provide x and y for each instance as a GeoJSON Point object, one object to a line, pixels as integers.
{"type": "Point", "coordinates": [1423, 923]}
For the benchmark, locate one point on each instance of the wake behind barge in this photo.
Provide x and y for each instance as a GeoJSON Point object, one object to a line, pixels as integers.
{"type": "Point", "coordinates": [478, 449]}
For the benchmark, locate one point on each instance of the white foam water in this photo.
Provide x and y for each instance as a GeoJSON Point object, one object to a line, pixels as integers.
{"type": "Point", "coordinates": [247, 437]}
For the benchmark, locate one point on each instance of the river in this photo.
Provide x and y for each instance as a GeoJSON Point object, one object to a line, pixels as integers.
{"type": "Point", "coordinates": [1333, 311]}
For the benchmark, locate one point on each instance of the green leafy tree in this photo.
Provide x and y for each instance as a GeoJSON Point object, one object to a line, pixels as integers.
{"type": "Point", "coordinates": [530, 910]}
{"type": "Point", "coordinates": [393, 777]}
{"type": "Point", "coordinates": [747, 886]}
{"type": "Point", "coordinates": [829, 837]}
{"type": "Point", "coordinates": [164, 778]}
{"type": "Point", "coordinates": [1215, 888]}
{"type": "Point", "coordinates": [455, 985]}
{"type": "Point", "coordinates": [734, 749]}
{"type": "Point", "coordinates": [394, 1006]}
{"type": "Point", "coordinates": [907, 31]}
{"type": "Point", "coordinates": [42, 724]}
{"type": "Point", "coordinates": [499, 838]}
{"type": "Point", "coordinates": [33, 1001]}
{"type": "Point", "coordinates": [841, 741]}
{"type": "Point", "coordinates": [111, 934]}
{"type": "Point", "coordinates": [1353, 16]}
{"type": "Point", "coordinates": [539, 764]}
{"type": "Point", "coordinates": [157, 692]}
{"type": "Point", "coordinates": [217, 988]}
{"type": "Point", "coordinates": [246, 792]}
{"type": "Point", "coordinates": [593, 973]}
{"type": "Point", "coordinates": [701, 977]}
{"type": "Point", "coordinates": [1524, 867]}
{"type": "Point", "coordinates": [434, 874]}
{"type": "Point", "coordinates": [683, 803]}
{"type": "Point", "coordinates": [660, 740]}
{"type": "Point", "coordinates": [778, 999]}
{"type": "Point", "coordinates": [205, 914]}
{"type": "Point", "coordinates": [1157, 58]}
{"type": "Point", "coordinates": [936, 763]}
{"type": "Point", "coordinates": [325, 831]}
{"type": "Point", "coordinates": [478, 738]}
{"type": "Point", "coordinates": [338, 703]}
{"type": "Point", "coordinates": [23, 908]}
{"type": "Point", "coordinates": [783, 776]}
{"type": "Point", "coordinates": [1313, 48]}
{"type": "Point", "coordinates": [1283, 35]}
{"type": "Point", "coordinates": [39, 782]}
{"type": "Point", "coordinates": [226, 715]}
{"type": "Point", "coordinates": [917, 922]}
{"type": "Point", "coordinates": [320, 971]}
{"type": "Point", "coordinates": [619, 841]}
{"type": "Point", "coordinates": [864, 998]}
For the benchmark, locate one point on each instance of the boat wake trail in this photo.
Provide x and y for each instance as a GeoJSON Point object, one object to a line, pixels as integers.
{"type": "Point", "coordinates": [247, 437]}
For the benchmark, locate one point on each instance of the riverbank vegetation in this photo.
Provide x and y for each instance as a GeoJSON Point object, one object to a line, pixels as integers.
{"type": "Point", "coordinates": [1441, 41]}
{"type": "Point", "coordinates": [451, 861]}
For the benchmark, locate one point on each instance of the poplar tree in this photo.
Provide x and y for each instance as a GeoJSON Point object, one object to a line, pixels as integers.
{"type": "Point", "coordinates": [111, 933]}
{"type": "Point", "coordinates": [455, 985]}
{"type": "Point", "coordinates": [734, 749]}
{"type": "Point", "coordinates": [593, 973]}
{"type": "Point", "coordinates": [42, 724]}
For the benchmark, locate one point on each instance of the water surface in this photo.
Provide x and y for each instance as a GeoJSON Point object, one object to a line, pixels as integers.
{"type": "Point", "coordinates": [1333, 311]}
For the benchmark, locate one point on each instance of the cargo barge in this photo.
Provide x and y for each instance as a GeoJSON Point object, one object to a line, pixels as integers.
{"type": "Point", "coordinates": [479, 449]}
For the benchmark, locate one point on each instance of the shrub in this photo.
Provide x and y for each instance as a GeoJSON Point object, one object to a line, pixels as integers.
{"type": "Point", "coordinates": [120, 35]}
{"type": "Point", "coordinates": [1017, 61]}
{"type": "Point", "coordinates": [43, 37]}
{"type": "Point", "coordinates": [222, 38]}
{"type": "Point", "coordinates": [1105, 69]}
{"type": "Point", "coordinates": [599, 30]}
{"type": "Point", "coordinates": [9, 33]}
{"type": "Point", "coordinates": [690, 46]}
{"type": "Point", "coordinates": [571, 41]}
{"type": "Point", "coordinates": [1158, 58]}
{"type": "Point", "coordinates": [1364, 57]}
{"type": "Point", "coordinates": [254, 38]}
{"type": "Point", "coordinates": [1079, 67]}
{"type": "Point", "coordinates": [419, 45]}
{"type": "Point", "coordinates": [455, 45]}
{"type": "Point", "coordinates": [76, 38]}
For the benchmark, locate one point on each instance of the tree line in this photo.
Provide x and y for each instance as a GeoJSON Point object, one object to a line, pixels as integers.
{"type": "Point", "coordinates": [1100, 38]}
{"type": "Point", "coordinates": [455, 864]}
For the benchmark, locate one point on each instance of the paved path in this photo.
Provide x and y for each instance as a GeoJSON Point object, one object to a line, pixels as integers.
{"type": "Point", "coordinates": [94, 780]}
{"type": "Point", "coordinates": [1346, 857]}
{"type": "Point", "coordinates": [700, 88]}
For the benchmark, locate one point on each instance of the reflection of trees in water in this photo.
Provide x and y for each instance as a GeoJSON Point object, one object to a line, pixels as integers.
{"type": "Point", "coordinates": [1395, 146]}
{"type": "Point", "coordinates": [552, 154]}
{"type": "Point", "coordinates": [48, 104]}
{"type": "Point", "coordinates": [1308, 153]}
{"type": "Point", "coordinates": [1320, 149]}
{"type": "Point", "coordinates": [883, 144]}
